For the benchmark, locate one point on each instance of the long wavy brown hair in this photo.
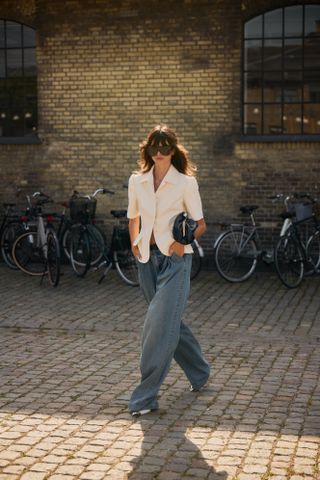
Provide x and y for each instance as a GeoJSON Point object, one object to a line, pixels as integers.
{"type": "Point", "coordinates": [166, 136]}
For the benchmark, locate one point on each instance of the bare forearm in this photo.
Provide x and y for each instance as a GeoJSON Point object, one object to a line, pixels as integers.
{"type": "Point", "coordinates": [134, 225]}
{"type": "Point", "coordinates": [201, 228]}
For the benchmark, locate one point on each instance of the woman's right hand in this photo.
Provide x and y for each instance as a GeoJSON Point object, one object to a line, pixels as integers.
{"type": "Point", "coordinates": [136, 252]}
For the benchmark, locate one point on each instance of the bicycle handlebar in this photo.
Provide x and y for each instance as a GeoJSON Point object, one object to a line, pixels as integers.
{"type": "Point", "coordinates": [103, 191]}
{"type": "Point", "coordinates": [294, 195]}
{"type": "Point", "coordinates": [99, 190]}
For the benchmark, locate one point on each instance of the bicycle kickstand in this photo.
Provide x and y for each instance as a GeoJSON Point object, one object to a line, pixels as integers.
{"type": "Point", "coordinates": [44, 273]}
{"type": "Point", "coordinates": [106, 270]}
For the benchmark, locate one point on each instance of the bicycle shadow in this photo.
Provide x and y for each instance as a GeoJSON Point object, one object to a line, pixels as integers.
{"type": "Point", "coordinates": [169, 451]}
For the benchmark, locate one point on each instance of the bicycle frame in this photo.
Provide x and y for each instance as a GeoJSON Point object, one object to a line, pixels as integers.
{"type": "Point", "coordinates": [250, 230]}
{"type": "Point", "coordinates": [42, 236]}
{"type": "Point", "coordinates": [285, 226]}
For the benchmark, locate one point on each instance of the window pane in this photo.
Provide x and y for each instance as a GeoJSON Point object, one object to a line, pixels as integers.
{"type": "Point", "coordinates": [2, 64]}
{"type": "Point", "coordinates": [293, 54]}
{"type": "Point", "coordinates": [253, 55]}
{"type": "Point", "coordinates": [14, 37]}
{"type": "Point", "coordinates": [30, 64]}
{"type": "Point", "coordinates": [312, 20]}
{"type": "Point", "coordinates": [252, 87]}
{"type": "Point", "coordinates": [272, 55]}
{"type": "Point", "coordinates": [272, 119]}
{"type": "Point", "coordinates": [273, 24]}
{"type": "Point", "coordinates": [3, 108]}
{"type": "Point", "coordinates": [17, 122]}
{"type": "Point", "coordinates": [29, 37]}
{"type": "Point", "coordinates": [30, 110]}
{"type": "Point", "coordinates": [311, 123]}
{"type": "Point", "coordinates": [14, 62]}
{"type": "Point", "coordinates": [272, 91]}
{"type": "Point", "coordinates": [252, 119]}
{"type": "Point", "coordinates": [15, 112]}
{"type": "Point", "coordinates": [312, 52]}
{"type": "Point", "coordinates": [292, 119]}
{"type": "Point", "coordinates": [253, 28]}
{"type": "Point", "coordinates": [30, 115]}
{"type": "Point", "coordinates": [293, 21]}
{"type": "Point", "coordinates": [2, 44]}
{"type": "Point", "coordinates": [312, 86]}
{"type": "Point", "coordinates": [292, 87]}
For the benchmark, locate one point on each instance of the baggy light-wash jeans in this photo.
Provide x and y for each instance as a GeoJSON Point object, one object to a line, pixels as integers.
{"type": "Point", "coordinates": [165, 282]}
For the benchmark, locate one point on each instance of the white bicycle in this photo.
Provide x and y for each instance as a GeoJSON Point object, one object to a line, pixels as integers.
{"type": "Point", "coordinates": [37, 252]}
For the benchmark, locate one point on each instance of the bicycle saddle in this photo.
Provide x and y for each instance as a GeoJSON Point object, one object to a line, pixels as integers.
{"type": "Point", "coordinates": [248, 209]}
{"type": "Point", "coordinates": [118, 213]}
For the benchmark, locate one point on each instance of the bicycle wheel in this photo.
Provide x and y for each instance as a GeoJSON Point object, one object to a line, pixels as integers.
{"type": "Point", "coordinates": [196, 261]}
{"type": "Point", "coordinates": [10, 233]}
{"type": "Point", "coordinates": [288, 260]}
{"type": "Point", "coordinates": [80, 253]}
{"type": "Point", "coordinates": [53, 260]}
{"type": "Point", "coordinates": [97, 242]}
{"type": "Point", "coordinates": [28, 255]}
{"type": "Point", "coordinates": [313, 254]}
{"type": "Point", "coordinates": [236, 256]}
{"type": "Point", "coordinates": [127, 267]}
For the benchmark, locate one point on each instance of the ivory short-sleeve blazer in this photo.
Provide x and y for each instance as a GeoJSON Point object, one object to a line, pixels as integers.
{"type": "Point", "coordinates": [157, 210]}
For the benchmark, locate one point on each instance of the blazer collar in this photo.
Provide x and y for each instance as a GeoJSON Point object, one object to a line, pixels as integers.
{"type": "Point", "coordinates": [172, 176]}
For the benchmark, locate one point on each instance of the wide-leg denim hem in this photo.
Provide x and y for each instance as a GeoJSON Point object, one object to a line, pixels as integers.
{"type": "Point", "coordinates": [201, 383]}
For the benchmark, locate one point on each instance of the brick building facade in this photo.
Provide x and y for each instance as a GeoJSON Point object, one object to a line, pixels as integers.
{"type": "Point", "coordinates": [109, 70]}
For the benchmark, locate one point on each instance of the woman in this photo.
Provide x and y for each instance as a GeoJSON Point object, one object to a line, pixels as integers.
{"type": "Point", "coordinates": [164, 187]}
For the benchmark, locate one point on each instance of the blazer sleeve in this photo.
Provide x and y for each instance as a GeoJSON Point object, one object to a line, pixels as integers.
{"type": "Point", "coordinates": [192, 199]}
{"type": "Point", "coordinates": [133, 207]}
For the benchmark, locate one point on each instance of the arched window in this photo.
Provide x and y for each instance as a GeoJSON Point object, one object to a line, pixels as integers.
{"type": "Point", "coordinates": [18, 80]}
{"type": "Point", "coordinates": [281, 72]}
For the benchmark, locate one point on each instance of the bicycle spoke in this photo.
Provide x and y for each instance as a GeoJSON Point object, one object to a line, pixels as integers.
{"type": "Point", "coordinates": [27, 255]}
{"type": "Point", "coordinates": [289, 262]}
{"type": "Point", "coordinates": [236, 256]}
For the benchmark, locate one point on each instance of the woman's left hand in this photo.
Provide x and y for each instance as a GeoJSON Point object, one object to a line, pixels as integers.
{"type": "Point", "coordinates": [176, 248]}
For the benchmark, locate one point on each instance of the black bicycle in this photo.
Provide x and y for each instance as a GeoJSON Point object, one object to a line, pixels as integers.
{"type": "Point", "coordinates": [12, 225]}
{"type": "Point", "coordinates": [297, 253]}
{"type": "Point", "coordinates": [88, 246]}
{"type": "Point", "coordinates": [119, 255]}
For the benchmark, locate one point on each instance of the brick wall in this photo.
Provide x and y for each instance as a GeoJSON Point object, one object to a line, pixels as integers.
{"type": "Point", "coordinates": [108, 71]}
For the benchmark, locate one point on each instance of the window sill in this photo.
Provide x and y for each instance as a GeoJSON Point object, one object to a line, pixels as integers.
{"type": "Point", "coordinates": [20, 140]}
{"type": "Point", "coordinates": [277, 138]}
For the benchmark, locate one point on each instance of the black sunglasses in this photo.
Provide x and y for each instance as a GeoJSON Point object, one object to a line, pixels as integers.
{"type": "Point", "coordinates": [152, 150]}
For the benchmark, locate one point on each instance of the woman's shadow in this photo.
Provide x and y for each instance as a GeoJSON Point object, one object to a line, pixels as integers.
{"type": "Point", "coordinates": [166, 449]}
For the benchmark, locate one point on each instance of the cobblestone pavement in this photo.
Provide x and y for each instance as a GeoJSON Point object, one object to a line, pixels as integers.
{"type": "Point", "coordinates": [69, 359]}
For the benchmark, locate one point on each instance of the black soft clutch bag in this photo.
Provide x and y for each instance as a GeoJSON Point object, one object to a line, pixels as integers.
{"type": "Point", "coordinates": [183, 229]}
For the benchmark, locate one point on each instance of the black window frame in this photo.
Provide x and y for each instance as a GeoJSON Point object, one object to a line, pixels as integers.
{"type": "Point", "coordinates": [28, 136]}
{"type": "Point", "coordinates": [247, 136]}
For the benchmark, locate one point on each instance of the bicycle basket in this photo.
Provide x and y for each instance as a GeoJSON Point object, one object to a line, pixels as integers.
{"type": "Point", "coordinates": [82, 209]}
{"type": "Point", "coordinates": [121, 239]}
{"type": "Point", "coordinates": [302, 211]}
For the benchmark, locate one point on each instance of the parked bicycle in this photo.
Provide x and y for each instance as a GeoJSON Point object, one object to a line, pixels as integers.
{"type": "Point", "coordinates": [13, 224]}
{"type": "Point", "coordinates": [88, 247]}
{"type": "Point", "coordinates": [298, 255]}
{"type": "Point", "coordinates": [119, 255]}
{"type": "Point", "coordinates": [238, 249]}
{"type": "Point", "coordinates": [37, 252]}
